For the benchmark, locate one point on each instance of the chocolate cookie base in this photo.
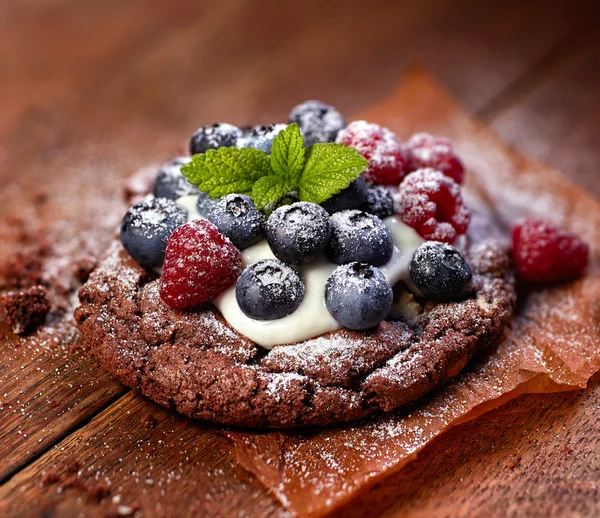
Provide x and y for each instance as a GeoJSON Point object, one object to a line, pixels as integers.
{"type": "Point", "coordinates": [194, 362]}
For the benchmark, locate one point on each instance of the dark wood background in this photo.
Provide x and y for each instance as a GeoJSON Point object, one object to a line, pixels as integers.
{"type": "Point", "coordinates": [102, 88]}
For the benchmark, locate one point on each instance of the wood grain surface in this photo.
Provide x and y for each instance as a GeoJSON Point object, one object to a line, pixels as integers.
{"type": "Point", "coordinates": [101, 88]}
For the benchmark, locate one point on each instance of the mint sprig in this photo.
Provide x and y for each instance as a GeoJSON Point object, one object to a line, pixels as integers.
{"type": "Point", "coordinates": [314, 174]}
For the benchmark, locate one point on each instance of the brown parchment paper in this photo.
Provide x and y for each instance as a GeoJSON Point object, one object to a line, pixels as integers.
{"type": "Point", "coordinates": [552, 345]}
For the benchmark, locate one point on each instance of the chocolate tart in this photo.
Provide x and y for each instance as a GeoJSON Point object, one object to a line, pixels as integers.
{"type": "Point", "coordinates": [193, 362]}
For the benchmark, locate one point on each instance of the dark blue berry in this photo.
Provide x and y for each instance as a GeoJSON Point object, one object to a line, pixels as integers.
{"type": "Point", "coordinates": [269, 289]}
{"type": "Point", "coordinates": [440, 272]}
{"type": "Point", "coordinates": [170, 183]}
{"type": "Point", "coordinates": [214, 137]}
{"type": "Point", "coordinates": [298, 233]}
{"type": "Point", "coordinates": [379, 201]}
{"type": "Point", "coordinates": [350, 198]}
{"type": "Point", "coordinates": [260, 137]}
{"type": "Point", "coordinates": [358, 236]}
{"type": "Point", "coordinates": [236, 217]}
{"type": "Point", "coordinates": [318, 122]}
{"type": "Point", "coordinates": [358, 295]}
{"type": "Point", "coordinates": [146, 228]}
{"type": "Point", "coordinates": [204, 204]}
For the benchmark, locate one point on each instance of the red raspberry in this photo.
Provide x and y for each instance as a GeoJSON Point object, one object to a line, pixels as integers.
{"type": "Point", "coordinates": [432, 204]}
{"type": "Point", "coordinates": [544, 253]}
{"type": "Point", "coordinates": [381, 147]}
{"type": "Point", "coordinates": [425, 150]}
{"type": "Point", "coordinates": [200, 263]}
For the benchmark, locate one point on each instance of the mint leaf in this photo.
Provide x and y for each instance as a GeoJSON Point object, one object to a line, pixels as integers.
{"type": "Point", "coordinates": [287, 152]}
{"type": "Point", "coordinates": [227, 170]}
{"type": "Point", "coordinates": [329, 169]}
{"type": "Point", "coordinates": [270, 189]}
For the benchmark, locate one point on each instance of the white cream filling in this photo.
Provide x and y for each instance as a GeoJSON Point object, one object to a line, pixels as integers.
{"type": "Point", "coordinates": [311, 318]}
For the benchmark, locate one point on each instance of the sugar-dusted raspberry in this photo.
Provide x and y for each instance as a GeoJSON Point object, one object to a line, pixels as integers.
{"type": "Point", "coordinates": [381, 147]}
{"type": "Point", "coordinates": [432, 204]}
{"type": "Point", "coordinates": [200, 264]}
{"type": "Point", "coordinates": [544, 253]}
{"type": "Point", "coordinates": [425, 150]}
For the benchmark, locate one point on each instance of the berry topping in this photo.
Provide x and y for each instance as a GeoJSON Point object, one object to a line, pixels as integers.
{"type": "Point", "coordinates": [432, 204]}
{"type": "Point", "coordinates": [358, 236]}
{"type": "Point", "coordinates": [200, 264]}
{"type": "Point", "coordinates": [352, 197]}
{"type": "Point", "coordinates": [317, 121]}
{"type": "Point", "coordinates": [379, 202]}
{"type": "Point", "coordinates": [298, 233]}
{"type": "Point", "coordinates": [214, 137]}
{"type": "Point", "coordinates": [440, 272]}
{"type": "Point", "coordinates": [424, 150]}
{"type": "Point", "coordinates": [146, 228]}
{"type": "Point", "coordinates": [358, 295]}
{"type": "Point", "coordinates": [544, 253]}
{"type": "Point", "coordinates": [170, 183]}
{"type": "Point", "coordinates": [260, 137]}
{"type": "Point", "coordinates": [236, 216]}
{"type": "Point", "coordinates": [268, 290]}
{"type": "Point", "coordinates": [381, 147]}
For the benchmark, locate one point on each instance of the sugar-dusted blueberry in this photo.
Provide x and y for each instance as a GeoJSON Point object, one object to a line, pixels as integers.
{"type": "Point", "coordinates": [352, 197]}
{"type": "Point", "coordinates": [268, 290]}
{"type": "Point", "coordinates": [170, 183]}
{"type": "Point", "coordinates": [204, 204]}
{"type": "Point", "coordinates": [146, 228]}
{"type": "Point", "coordinates": [213, 137]}
{"type": "Point", "coordinates": [236, 217]}
{"type": "Point", "coordinates": [358, 295]}
{"type": "Point", "coordinates": [298, 233]}
{"type": "Point", "coordinates": [440, 272]}
{"type": "Point", "coordinates": [260, 137]}
{"type": "Point", "coordinates": [358, 236]}
{"type": "Point", "coordinates": [379, 201]}
{"type": "Point", "coordinates": [318, 121]}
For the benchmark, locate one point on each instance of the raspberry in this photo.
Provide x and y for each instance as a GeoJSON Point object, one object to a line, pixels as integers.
{"type": "Point", "coordinates": [432, 204]}
{"type": "Point", "coordinates": [424, 150]}
{"type": "Point", "coordinates": [544, 253]}
{"type": "Point", "coordinates": [200, 264]}
{"type": "Point", "coordinates": [381, 147]}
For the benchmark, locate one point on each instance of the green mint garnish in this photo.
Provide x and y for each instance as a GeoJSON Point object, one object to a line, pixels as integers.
{"type": "Point", "coordinates": [314, 174]}
{"type": "Point", "coordinates": [227, 170]}
{"type": "Point", "coordinates": [329, 169]}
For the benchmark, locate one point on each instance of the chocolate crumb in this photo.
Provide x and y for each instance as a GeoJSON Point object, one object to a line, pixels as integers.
{"type": "Point", "coordinates": [73, 467]}
{"type": "Point", "coordinates": [514, 462]}
{"type": "Point", "coordinates": [149, 421]}
{"type": "Point", "coordinates": [51, 477]}
{"type": "Point", "coordinates": [53, 403]}
{"type": "Point", "coordinates": [98, 492]}
{"type": "Point", "coordinates": [23, 311]}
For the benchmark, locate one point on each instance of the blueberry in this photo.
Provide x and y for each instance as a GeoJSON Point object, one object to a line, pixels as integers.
{"type": "Point", "coordinates": [269, 289]}
{"type": "Point", "coordinates": [204, 204]}
{"type": "Point", "coordinates": [318, 122]}
{"type": "Point", "coordinates": [213, 137]}
{"type": "Point", "coordinates": [358, 295]}
{"type": "Point", "coordinates": [379, 201]}
{"type": "Point", "coordinates": [170, 183]}
{"type": "Point", "coordinates": [260, 137]}
{"type": "Point", "coordinates": [440, 272]}
{"type": "Point", "coordinates": [298, 233]}
{"type": "Point", "coordinates": [146, 228]}
{"type": "Point", "coordinates": [358, 236]}
{"type": "Point", "coordinates": [236, 217]}
{"type": "Point", "coordinates": [350, 198]}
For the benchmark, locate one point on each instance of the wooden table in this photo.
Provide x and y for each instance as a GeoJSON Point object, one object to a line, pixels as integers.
{"type": "Point", "coordinates": [120, 84]}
